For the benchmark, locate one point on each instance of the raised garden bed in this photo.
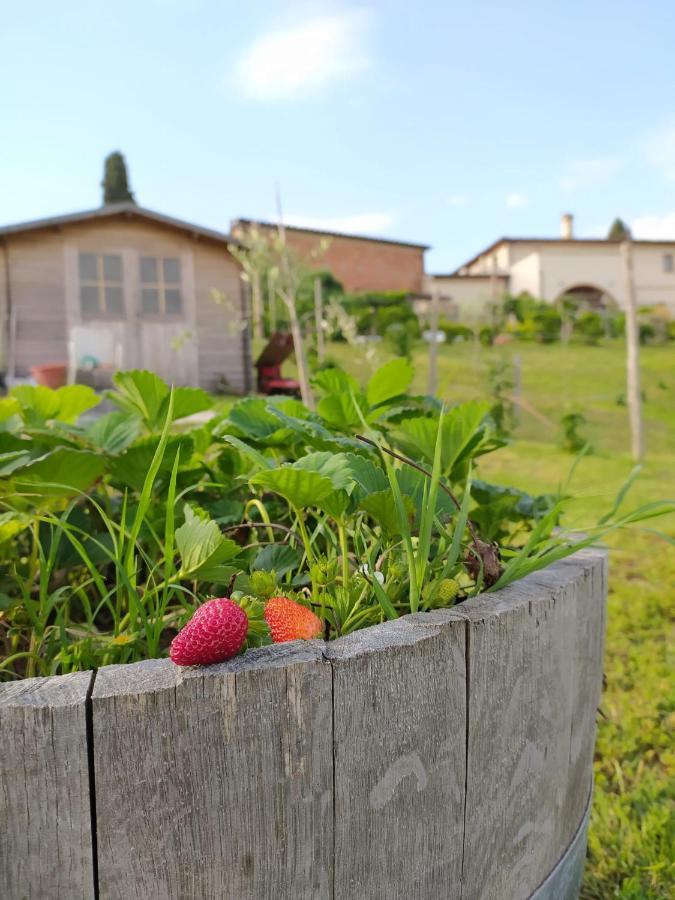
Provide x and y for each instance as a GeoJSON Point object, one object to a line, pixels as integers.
{"type": "Point", "coordinates": [441, 755]}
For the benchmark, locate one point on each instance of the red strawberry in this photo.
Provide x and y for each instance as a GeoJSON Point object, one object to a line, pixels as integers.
{"type": "Point", "coordinates": [216, 632]}
{"type": "Point", "coordinates": [290, 621]}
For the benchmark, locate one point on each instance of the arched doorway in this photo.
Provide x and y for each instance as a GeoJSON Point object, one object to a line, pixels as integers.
{"type": "Point", "coordinates": [587, 296]}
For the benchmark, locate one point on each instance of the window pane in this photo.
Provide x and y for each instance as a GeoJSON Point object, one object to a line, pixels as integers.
{"type": "Point", "coordinates": [112, 268]}
{"type": "Point", "coordinates": [88, 269]}
{"type": "Point", "coordinates": [89, 300]}
{"type": "Point", "coordinates": [171, 271]}
{"type": "Point", "coordinates": [172, 301]}
{"type": "Point", "coordinates": [667, 262]}
{"type": "Point", "coordinates": [148, 269]}
{"type": "Point", "coordinates": [113, 301]}
{"type": "Point", "coordinates": [150, 301]}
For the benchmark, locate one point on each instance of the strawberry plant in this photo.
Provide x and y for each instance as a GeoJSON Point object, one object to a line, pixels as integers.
{"type": "Point", "coordinates": [115, 530]}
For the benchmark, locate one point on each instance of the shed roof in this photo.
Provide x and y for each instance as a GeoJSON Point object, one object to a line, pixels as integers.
{"type": "Point", "coordinates": [117, 210]}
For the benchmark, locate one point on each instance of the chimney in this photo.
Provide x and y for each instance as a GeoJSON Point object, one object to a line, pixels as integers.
{"type": "Point", "coordinates": [567, 227]}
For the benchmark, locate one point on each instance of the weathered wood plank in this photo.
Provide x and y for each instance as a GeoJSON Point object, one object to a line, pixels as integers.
{"type": "Point", "coordinates": [216, 782]}
{"type": "Point", "coordinates": [399, 699]}
{"type": "Point", "coordinates": [534, 676]}
{"type": "Point", "coordinates": [45, 816]}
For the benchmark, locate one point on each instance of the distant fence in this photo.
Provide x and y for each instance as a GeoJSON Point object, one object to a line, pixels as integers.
{"type": "Point", "coordinates": [443, 755]}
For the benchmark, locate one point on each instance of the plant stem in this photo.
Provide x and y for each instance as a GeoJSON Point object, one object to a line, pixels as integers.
{"type": "Point", "coordinates": [342, 535]}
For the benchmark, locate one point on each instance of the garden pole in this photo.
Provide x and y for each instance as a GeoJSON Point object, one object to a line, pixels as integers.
{"type": "Point", "coordinates": [318, 315]}
{"type": "Point", "coordinates": [632, 356]}
{"type": "Point", "coordinates": [272, 301]}
{"type": "Point", "coordinates": [256, 304]}
{"type": "Point", "coordinates": [433, 346]}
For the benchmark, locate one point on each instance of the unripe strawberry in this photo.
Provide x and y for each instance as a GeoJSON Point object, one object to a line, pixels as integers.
{"type": "Point", "coordinates": [447, 590]}
{"type": "Point", "coordinates": [290, 621]}
{"type": "Point", "coordinates": [216, 632]}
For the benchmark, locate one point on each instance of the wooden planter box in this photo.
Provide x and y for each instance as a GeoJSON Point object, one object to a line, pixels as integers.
{"type": "Point", "coordinates": [443, 755]}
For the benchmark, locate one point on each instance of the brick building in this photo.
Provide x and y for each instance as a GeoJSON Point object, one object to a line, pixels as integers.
{"type": "Point", "coordinates": [360, 263]}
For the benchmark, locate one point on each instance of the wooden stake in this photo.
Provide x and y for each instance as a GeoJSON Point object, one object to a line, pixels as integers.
{"type": "Point", "coordinates": [318, 315]}
{"type": "Point", "coordinates": [256, 305]}
{"type": "Point", "coordinates": [633, 397]}
{"type": "Point", "coordinates": [272, 301]}
{"type": "Point", "coordinates": [288, 295]}
{"type": "Point", "coordinates": [433, 346]}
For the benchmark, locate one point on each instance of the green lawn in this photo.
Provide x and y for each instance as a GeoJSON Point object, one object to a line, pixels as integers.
{"type": "Point", "coordinates": [632, 828]}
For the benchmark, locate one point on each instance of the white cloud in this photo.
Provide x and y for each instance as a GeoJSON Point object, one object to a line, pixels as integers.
{"type": "Point", "coordinates": [457, 200]}
{"type": "Point", "coordinates": [659, 148]}
{"type": "Point", "coordinates": [654, 227]}
{"type": "Point", "coordinates": [587, 173]}
{"type": "Point", "coordinates": [299, 60]}
{"type": "Point", "coordinates": [361, 223]}
{"type": "Point", "coordinates": [515, 200]}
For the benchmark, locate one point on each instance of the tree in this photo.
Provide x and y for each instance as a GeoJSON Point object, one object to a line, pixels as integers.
{"type": "Point", "coordinates": [115, 182]}
{"type": "Point", "coordinates": [619, 231]}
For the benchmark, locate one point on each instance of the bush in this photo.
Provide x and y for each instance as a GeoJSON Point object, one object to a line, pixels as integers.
{"type": "Point", "coordinates": [589, 327]}
{"type": "Point", "coordinates": [401, 336]}
{"type": "Point", "coordinates": [375, 312]}
{"type": "Point", "coordinates": [548, 323]}
{"type": "Point", "coordinates": [453, 331]}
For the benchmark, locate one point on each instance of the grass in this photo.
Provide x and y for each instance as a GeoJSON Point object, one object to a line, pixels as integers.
{"type": "Point", "coordinates": [632, 827]}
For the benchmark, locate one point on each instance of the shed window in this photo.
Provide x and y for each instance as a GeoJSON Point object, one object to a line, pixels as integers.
{"type": "Point", "coordinates": [101, 291]}
{"type": "Point", "coordinates": [160, 286]}
{"type": "Point", "coordinates": [667, 262]}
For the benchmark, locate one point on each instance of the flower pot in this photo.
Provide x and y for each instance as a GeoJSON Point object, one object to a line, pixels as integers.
{"type": "Point", "coordinates": [51, 375]}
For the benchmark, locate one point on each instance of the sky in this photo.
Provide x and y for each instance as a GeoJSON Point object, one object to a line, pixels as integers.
{"type": "Point", "coordinates": [444, 123]}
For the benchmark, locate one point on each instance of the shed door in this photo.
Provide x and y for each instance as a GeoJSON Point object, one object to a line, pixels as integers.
{"type": "Point", "coordinates": [167, 342]}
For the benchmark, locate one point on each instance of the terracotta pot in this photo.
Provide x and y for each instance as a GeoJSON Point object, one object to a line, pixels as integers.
{"type": "Point", "coordinates": [52, 375]}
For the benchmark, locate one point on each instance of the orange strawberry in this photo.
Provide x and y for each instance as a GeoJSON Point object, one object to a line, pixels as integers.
{"type": "Point", "coordinates": [290, 621]}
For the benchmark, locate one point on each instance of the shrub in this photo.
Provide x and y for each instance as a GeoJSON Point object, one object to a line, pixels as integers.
{"type": "Point", "coordinates": [453, 331]}
{"type": "Point", "coordinates": [401, 336]}
{"type": "Point", "coordinates": [589, 327]}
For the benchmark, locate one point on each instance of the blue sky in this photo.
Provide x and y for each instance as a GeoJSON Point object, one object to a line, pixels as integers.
{"type": "Point", "coordinates": [445, 123]}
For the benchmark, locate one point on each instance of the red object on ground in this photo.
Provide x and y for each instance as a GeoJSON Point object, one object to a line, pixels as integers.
{"type": "Point", "coordinates": [291, 621]}
{"type": "Point", "coordinates": [51, 375]}
{"type": "Point", "coordinates": [268, 364]}
{"type": "Point", "coordinates": [216, 632]}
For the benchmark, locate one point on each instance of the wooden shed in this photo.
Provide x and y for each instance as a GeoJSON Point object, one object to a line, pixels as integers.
{"type": "Point", "coordinates": [125, 287]}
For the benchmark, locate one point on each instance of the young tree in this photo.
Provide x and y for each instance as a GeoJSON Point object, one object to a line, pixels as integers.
{"type": "Point", "coordinates": [267, 256]}
{"type": "Point", "coordinates": [619, 231]}
{"type": "Point", "coordinates": [115, 182]}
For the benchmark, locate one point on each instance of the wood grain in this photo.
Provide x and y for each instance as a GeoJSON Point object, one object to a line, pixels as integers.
{"type": "Point", "coordinates": [534, 679]}
{"type": "Point", "coordinates": [216, 782]}
{"type": "Point", "coordinates": [45, 833]}
{"type": "Point", "coordinates": [399, 701]}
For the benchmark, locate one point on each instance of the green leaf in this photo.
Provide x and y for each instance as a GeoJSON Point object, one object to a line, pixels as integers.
{"type": "Point", "coordinates": [202, 548]}
{"type": "Point", "coordinates": [12, 460]}
{"type": "Point", "coordinates": [251, 419]}
{"type": "Point", "coordinates": [11, 524]}
{"type": "Point", "coordinates": [61, 473]}
{"type": "Point", "coordinates": [249, 452]}
{"type": "Point", "coordinates": [342, 410]}
{"type": "Point", "coordinates": [9, 406]}
{"type": "Point", "coordinates": [391, 380]}
{"type": "Point", "coordinates": [41, 404]}
{"type": "Point", "coordinates": [140, 393]}
{"type": "Point", "coordinates": [335, 466]}
{"type": "Point", "coordinates": [369, 477]}
{"type": "Point", "coordinates": [334, 381]}
{"type": "Point", "coordinates": [380, 506]}
{"type": "Point", "coordinates": [187, 402]}
{"type": "Point", "coordinates": [278, 558]}
{"type": "Point", "coordinates": [461, 427]}
{"type": "Point", "coordinates": [301, 488]}
{"type": "Point", "coordinates": [132, 465]}
{"type": "Point", "coordinates": [113, 432]}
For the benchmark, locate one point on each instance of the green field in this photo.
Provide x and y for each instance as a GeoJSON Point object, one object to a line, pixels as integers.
{"type": "Point", "coordinates": [632, 828]}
